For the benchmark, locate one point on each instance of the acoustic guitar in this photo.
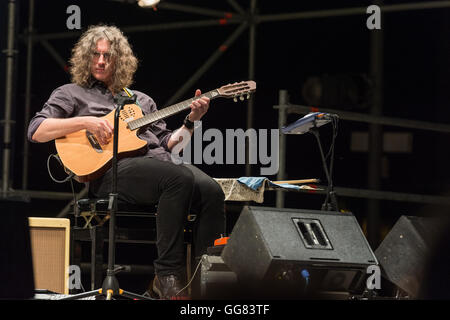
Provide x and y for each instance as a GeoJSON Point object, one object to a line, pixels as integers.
{"type": "Point", "coordinates": [82, 154]}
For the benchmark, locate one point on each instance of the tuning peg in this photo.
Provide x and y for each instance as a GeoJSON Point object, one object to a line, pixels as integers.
{"type": "Point", "coordinates": [248, 96]}
{"type": "Point", "coordinates": [241, 98]}
{"type": "Point", "coordinates": [235, 99]}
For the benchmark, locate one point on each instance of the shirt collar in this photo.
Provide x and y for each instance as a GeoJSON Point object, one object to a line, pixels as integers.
{"type": "Point", "coordinates": [94, 83]}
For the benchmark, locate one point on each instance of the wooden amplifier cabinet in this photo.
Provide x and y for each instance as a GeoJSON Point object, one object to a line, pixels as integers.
{"type": "Point", "coordinates": [50, 239]}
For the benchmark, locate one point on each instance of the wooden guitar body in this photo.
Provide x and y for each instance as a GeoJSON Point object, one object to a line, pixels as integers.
{"type": "Point", "coordinates": [88, 160]}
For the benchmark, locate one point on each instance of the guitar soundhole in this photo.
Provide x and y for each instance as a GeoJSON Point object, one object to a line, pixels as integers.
{"type": "Point", "coordinates": [127, 113]}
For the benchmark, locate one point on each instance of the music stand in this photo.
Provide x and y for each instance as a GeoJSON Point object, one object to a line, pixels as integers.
{"type": "Point", "coordinates": [110, 286]}
{"type": "Point", "coordinates": [310, 123]}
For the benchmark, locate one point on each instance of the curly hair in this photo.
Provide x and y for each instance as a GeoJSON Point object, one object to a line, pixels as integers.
{"type": "Point", "coordinates": [124, 59]}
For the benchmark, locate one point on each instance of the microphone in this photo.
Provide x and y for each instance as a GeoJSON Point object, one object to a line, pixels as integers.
{"type": "Point", "coordinates": [304, 124]}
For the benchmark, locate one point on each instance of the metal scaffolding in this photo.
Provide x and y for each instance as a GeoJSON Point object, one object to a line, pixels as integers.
{"type": "Point", "coordinates": [244, 19]}
{"type": "Point", "coordinates": [10, 53]}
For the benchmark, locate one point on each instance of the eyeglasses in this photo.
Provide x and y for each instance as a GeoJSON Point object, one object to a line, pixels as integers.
{"type": "Point", "coordinates": [106, 56]}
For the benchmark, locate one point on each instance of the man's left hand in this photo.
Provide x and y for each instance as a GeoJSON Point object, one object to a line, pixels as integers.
{"type": "Point", "coordinates": [198, 107]}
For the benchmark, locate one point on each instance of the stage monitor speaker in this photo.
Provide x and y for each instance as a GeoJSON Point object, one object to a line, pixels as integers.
{"type": "Point", "coordinates": [50, 249]}
{"type": "Point", "coordinates": [270, 245]}
{"type": "Point", "coordinates": [404, 252]}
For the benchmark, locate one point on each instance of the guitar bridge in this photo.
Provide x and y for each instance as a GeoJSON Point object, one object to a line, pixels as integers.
{"type": "Point", "coordinates": [94, 142]}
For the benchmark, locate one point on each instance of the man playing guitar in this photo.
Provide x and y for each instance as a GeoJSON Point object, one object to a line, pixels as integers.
{"type": "Point", "coordinates": [102, 65]}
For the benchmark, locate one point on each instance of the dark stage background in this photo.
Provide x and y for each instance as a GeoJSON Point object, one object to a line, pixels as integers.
{"type": "Point", "coordinates": [415, 86]}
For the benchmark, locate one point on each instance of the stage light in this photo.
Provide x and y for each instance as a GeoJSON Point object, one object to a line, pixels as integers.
{"type": "Point", "coordinates": [148, 3]}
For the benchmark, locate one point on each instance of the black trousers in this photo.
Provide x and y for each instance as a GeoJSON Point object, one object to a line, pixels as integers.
{"type": "Point", "coordinates": [178, 190]}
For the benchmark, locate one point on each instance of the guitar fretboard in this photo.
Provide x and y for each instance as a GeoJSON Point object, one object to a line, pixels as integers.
{"type": "Point", "coordinates": [168, 111]}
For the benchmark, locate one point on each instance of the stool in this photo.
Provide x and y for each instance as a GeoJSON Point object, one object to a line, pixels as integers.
{"type": "Point", "coordinates": [94, 214]}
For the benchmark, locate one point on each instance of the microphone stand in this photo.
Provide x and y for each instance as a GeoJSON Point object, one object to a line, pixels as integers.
{"type": "Point", "coordinates": [330, 203]}
{"type": "Point", "coordinates": [110, 286]}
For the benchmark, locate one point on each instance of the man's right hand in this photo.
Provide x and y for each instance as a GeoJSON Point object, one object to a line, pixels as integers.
{"type": "Point", "coordinates": [100, 127]}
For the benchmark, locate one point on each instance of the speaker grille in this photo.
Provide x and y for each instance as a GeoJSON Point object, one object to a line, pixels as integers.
{"type": "Point", "coordinates": [49, 245]}
{"type": "Point", "coordinates": [405, 250]}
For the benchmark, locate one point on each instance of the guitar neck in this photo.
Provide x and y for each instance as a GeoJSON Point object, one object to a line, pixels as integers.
{"type": "Point", "coordinates": [169, 111]}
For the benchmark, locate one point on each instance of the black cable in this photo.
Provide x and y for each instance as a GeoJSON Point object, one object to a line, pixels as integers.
{"type": "Point", "coordinates": [73, 192]}
{"type": "Point", "coordinates": [335, 121]}
{"type": "Point", "coordinates": [70, 176]}
{"type": "Point", "coordinates": [330, 200]}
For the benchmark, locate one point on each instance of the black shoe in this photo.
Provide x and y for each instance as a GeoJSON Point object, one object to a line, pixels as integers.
{"type": "Point", "coordinates": [169, 288]}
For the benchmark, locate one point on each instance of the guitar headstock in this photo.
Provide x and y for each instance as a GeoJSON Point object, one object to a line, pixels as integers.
{"type": "Point", "coordinates": [238, 89]}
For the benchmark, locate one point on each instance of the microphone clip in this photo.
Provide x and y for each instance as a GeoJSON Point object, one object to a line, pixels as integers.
{"type": "Point", "coordinates": [122, 100]}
